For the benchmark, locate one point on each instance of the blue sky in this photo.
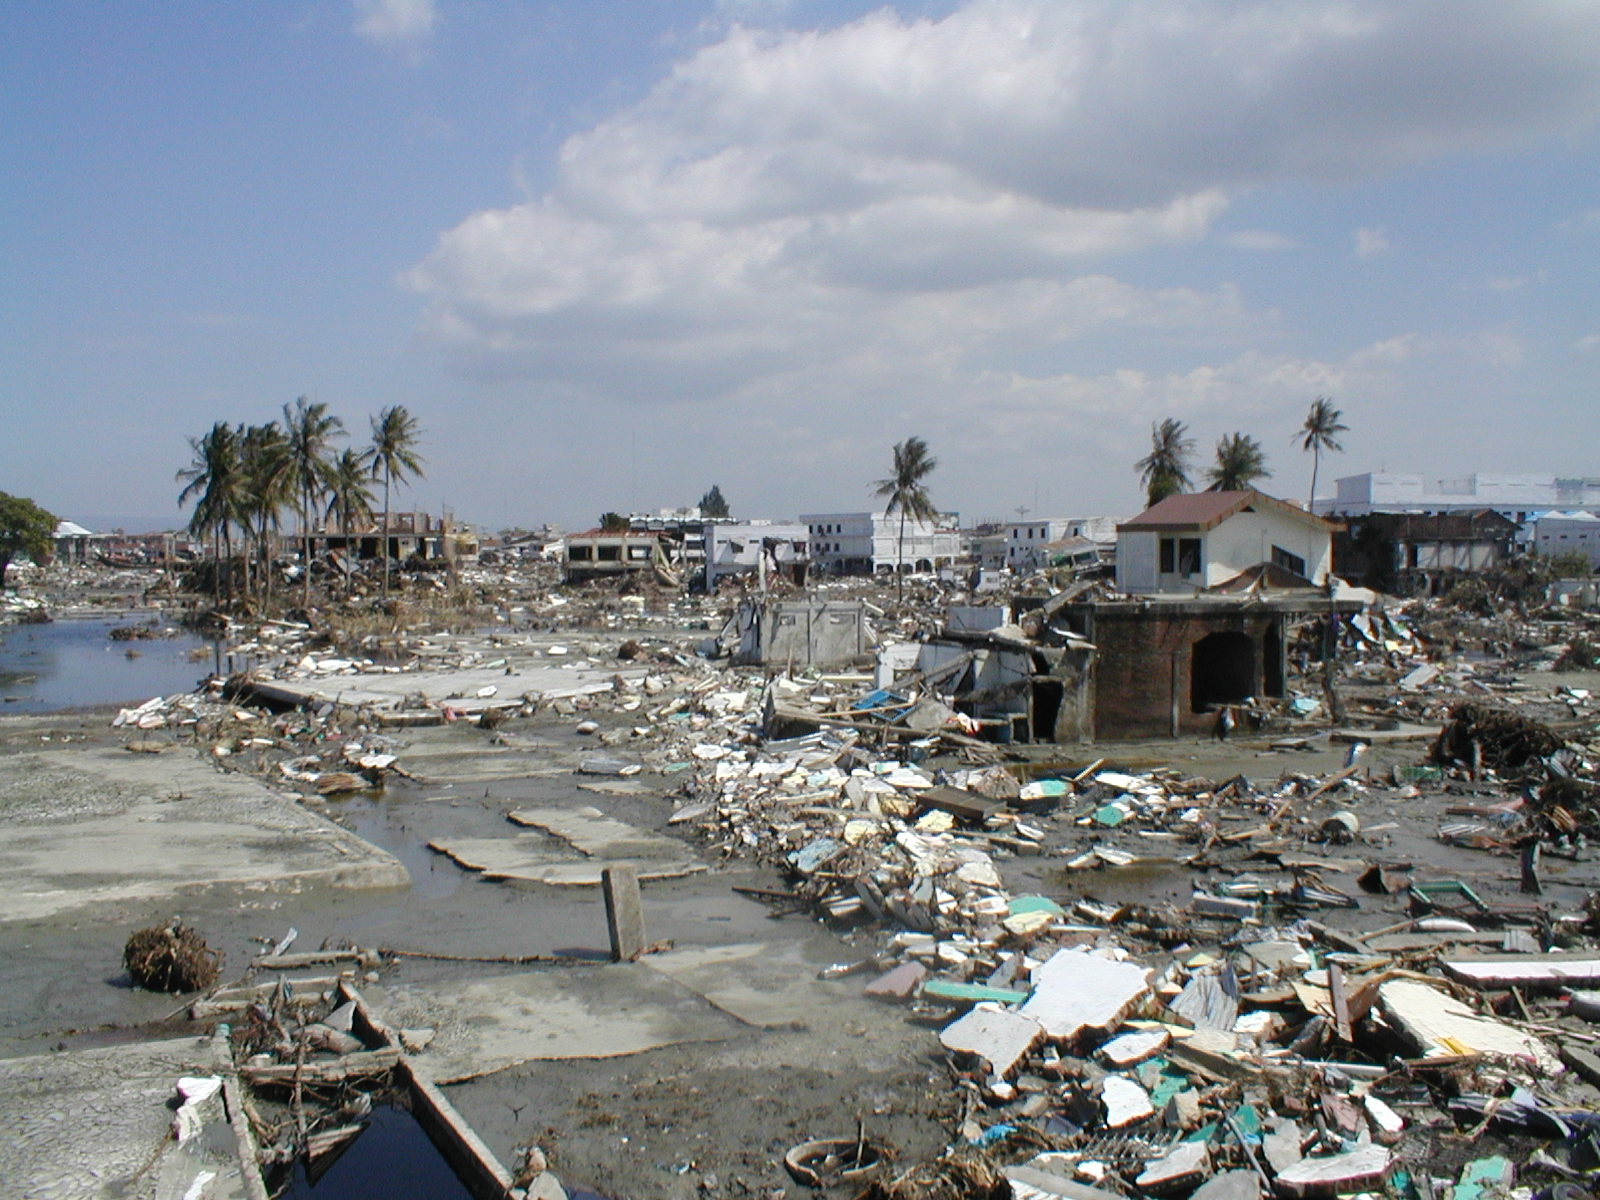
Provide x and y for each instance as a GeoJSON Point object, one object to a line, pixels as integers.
{"type": "Point", "coordinates": [610, 252]}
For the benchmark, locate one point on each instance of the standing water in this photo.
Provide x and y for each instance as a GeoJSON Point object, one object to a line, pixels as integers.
{"type": "Point", "coordinates": [74, 663]}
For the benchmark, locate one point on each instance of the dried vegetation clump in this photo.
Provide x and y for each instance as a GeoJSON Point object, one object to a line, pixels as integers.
{"type": "Point", "coordinates": [171, 958]}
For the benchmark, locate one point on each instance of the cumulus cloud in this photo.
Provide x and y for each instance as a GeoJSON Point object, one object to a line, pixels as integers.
{"type": "Point", "coordinates": [403, 23]}
{"type": "Point", "coordinates": [1587, 344]}
{"type": "Point", "coordinates": [898, 191]}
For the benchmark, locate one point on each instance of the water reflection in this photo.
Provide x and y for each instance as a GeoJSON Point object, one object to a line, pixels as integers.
{"type": "Point", "coordinates": [74, 664]}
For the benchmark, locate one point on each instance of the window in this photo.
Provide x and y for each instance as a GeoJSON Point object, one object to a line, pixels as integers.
{"type": "Point", "coordinates": [1180, 556]}
{"type": "Point", "coordinates": [1289, 562]}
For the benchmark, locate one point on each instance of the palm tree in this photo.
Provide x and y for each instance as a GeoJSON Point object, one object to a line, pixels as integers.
{"type": "Point", "coordinates": [394, 454]}
{"type": "Point", "coordinates": [215, 480]}
{"type": "Point", "coordinates": [265, 453]}
{"type": "Point", "coordinates": [349, 497]}
{"type": "Point", "coordinates": [309, 431]}
{"type": "Point", "coordinates": [1240, 462]}
{"type": "Point", "coordinates": [1165, 470]}
{"type": "Point", "coordinates": [908, 495]}
{"type": "Point", "coordinates": [1317, 435]}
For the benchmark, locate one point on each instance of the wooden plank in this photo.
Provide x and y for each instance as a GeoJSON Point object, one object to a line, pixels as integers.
{"type": "Point", "coordinates": [361, 1064]}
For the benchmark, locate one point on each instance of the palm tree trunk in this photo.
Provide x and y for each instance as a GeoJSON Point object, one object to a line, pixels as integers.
{"type": "Point", "coordinates": [900, 562]}
{"type": "Point", "coordinates": [305, 534]}
{"type": "Point", "coordinates": [1316, 461]}
{"type": "Point", "coordinates": [384, 542]}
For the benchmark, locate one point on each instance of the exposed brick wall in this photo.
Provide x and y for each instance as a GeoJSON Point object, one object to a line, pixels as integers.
{"type": "Point", "coordinates": [1134, 667]}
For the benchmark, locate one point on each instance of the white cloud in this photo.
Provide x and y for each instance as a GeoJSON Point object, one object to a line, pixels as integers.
{"type": "Point", "coordinates": [896, 192]}
{"type": "Point", "coordinates": [1370, 242]}
{"type": "Point", "coordinates": [395, 22]}
{"type": "Point", "coordinates": [1587, 344]}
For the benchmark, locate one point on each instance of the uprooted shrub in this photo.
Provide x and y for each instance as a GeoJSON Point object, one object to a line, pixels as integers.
{"type": "Point", "coordinates": [171, 958]}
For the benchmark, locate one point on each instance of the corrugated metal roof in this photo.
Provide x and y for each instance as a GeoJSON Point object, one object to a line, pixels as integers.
{"type": "Point", "coordinates": [1200, 511]}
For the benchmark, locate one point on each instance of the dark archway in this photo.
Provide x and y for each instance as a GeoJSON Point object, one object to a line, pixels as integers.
{"type": "Point", "coordinates": [1272, 682]}
{"type": "Point", "coordinates": [1222, 670]}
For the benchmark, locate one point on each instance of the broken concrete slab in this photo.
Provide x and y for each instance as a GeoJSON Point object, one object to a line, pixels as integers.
{"type": "Point", "coordinates": [998, 1036]}
{"type": "Point", "coordinates": [122, 1095]}
{"type": "Point", "coordinates": [898, 984]}
{"type": "Point", "coordinates": [1075, 990]}
{"type": "Point", "coordinates": [1031, 1181]}
{"type": "Point", "coordinates": [1359, 1169]}
{"type": "Point", "coordinates": [1127, 1049]}
{"type": "Point", "coordinates": [1526, 970]}
{"type": "Point", "coordinates": [1230, 1185]}
{"type": "Point", "coordinates": [767, 985]}
{"type": "Point", "coordinates": [1177, 1170]}
{"type": "Point", "coordinates": [95, 824]}
{"type": "Point", "coordinates": [488, 1024]}
{"type": "Point", "coordinates": [1438, 1024]}
{"type": "Point", "coordinates": [530, 859]}
{"type": "Point", "coordinates": [595, 835]}
{"type": "Point", "coordinates": [1125, 1101]}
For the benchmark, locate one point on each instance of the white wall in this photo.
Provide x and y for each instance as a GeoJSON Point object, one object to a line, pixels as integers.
{"type": "Point", "coordinates": [1238, 543]}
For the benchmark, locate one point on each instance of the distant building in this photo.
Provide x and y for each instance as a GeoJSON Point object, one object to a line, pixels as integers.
{"type": "Point", "coordinates": [1204, 541]}
{"type": "Point", "coordinates": [600, 554]}
{"type": "Point", "coordinates": [1568, 533]}
{"type": "Point", "coordinates": [868, 543]}
{"type": "Point", "coordinates": [1515, 497]}
{"type": "Point", "coordinates": [739, 547]}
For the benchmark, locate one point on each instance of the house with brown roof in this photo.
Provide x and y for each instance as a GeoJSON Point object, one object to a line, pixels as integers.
{"type": "Point", "coordinates": [1221, 542]}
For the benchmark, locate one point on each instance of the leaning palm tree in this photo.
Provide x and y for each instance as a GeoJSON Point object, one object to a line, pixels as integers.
{"type": "Point", "coordinates": [1240, 462]}
{"type": "Point", "coordinates": [215, 481]}
{"type": "Point", "coordinates": [309, 430]}
{"type": "Point", "coordinates": [1318, 434]}
{"type": "Point", "coordinates": [908, 495]}
{"type": "Point", "coordinates": [394, 455]}
{"type": "Point", "coordinates": [1165, 470]}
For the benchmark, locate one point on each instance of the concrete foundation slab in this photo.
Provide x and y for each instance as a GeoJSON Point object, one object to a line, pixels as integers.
{"type": "Point", "coordinates": [95, 1124]}
{"type": "Point", "coordinates": [91, 825]}
{"type": "Point", "coordinates": [489, 1024]}
{"type": "Point", "coordinates": [767, 985]}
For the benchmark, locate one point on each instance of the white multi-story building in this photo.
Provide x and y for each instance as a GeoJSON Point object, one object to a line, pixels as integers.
{"type": "Point", "coordinates": [1026, 540]}
{"type": "Point", "coordinates": [748, 547]}
{"type": "Point", "coordinates": [1568, 533]}
{"type": "Point", "coordinates": [1516, 497]}
{"type": "Point", "coordinates": [868, 543]}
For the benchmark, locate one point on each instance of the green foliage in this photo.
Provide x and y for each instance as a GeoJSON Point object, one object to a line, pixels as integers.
{"type": "Point", "coordinates": [25, 529]}
{"type": "Point", "coordinates": [712, 504]}
{"type": "Point", "coordinates": [1319, 433]}
{"type": "Point", "coordinates": [907, 491]}
{"type": "Point", "coordinates": [1165, 470]}
{"type": "Point", "coordinates": [1571, 564]}
{"type": "Point", "coordinates": [395, 434]}
{"type": "Point", "coordinates": [613, 522]}
{"type": "Point", "coordinates": [1240, 462]}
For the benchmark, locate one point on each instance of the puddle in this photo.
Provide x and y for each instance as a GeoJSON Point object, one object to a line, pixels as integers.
{"type": "Point", "coordinates": [393, 1159]}
{"type": "Point", "coordinates": [378, 820]}
{"type": "Point", "coordinates": [73, 663]}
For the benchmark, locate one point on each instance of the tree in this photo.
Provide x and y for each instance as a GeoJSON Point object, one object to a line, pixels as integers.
{"type": "Point", "coordinates": [215, 480]}
{"type": "Point", "coordinates": [1240, 462]}
{"type": "Point", "coordinates": [1165, 470]}
{"type": "Point", "coordinates": [712, 504]}
{"type": "Point", "coordinates": [309, 430]}
{"type": "Point", "coordinates": [613, 522]}
{"type": "Point", "coordinates": [908, 495]}
{"type": "Point", "coordinates": [1318, 434]}
{"type": "Point", "coordinates": [265, 460]}
{"type": "Point", "coordinates": [349, 497]}
{"type": "Point", "coordinates": [394, 454]}
{"type": "Point", "coordinates": [25, 530]}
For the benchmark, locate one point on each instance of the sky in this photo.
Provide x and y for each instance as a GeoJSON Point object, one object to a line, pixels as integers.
{"type": "Point", "coordinates": [612, 252]}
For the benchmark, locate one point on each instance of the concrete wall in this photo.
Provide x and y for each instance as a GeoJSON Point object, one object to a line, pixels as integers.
{"type": "Point", "coordinates": [806, 633]}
